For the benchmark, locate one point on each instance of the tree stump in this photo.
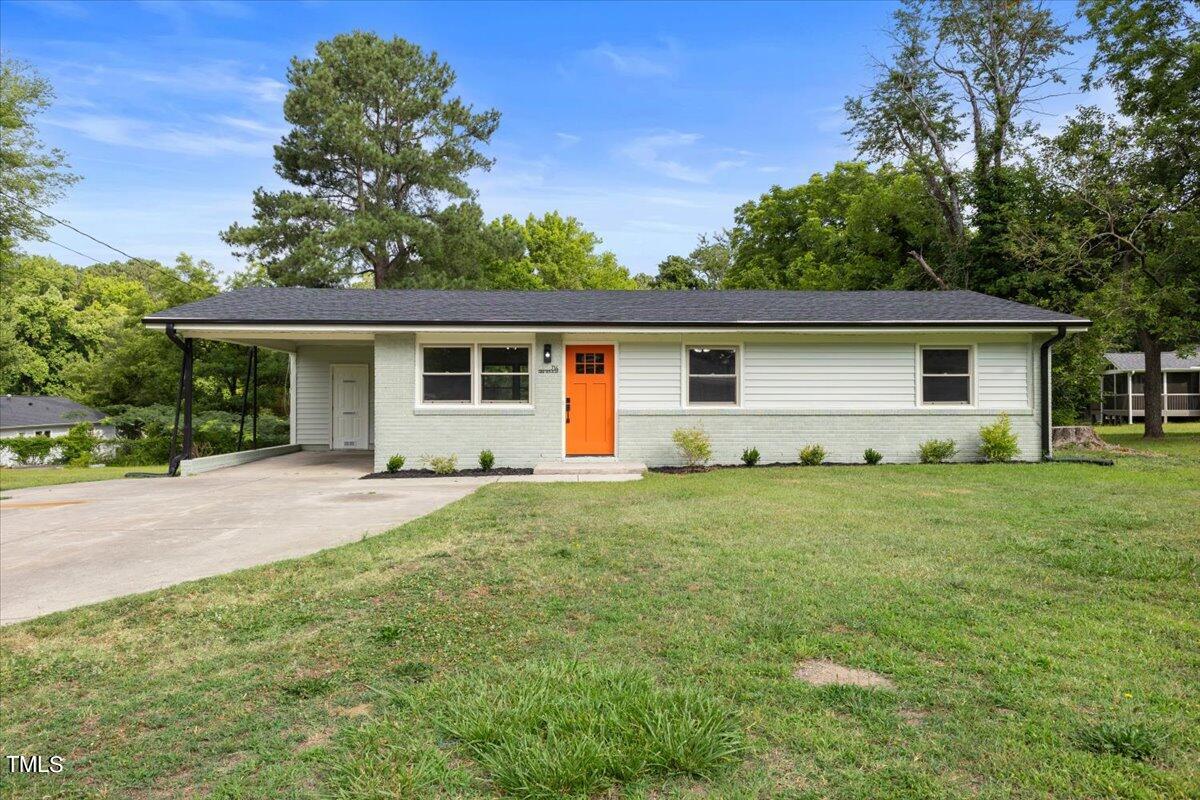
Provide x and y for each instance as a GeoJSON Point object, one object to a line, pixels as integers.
{"type": "Point", "coordinates": [1082, 436]}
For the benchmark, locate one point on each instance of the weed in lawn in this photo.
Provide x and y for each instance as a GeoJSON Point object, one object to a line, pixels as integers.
{"type": "Point", "coordinates": [570, 729]}
{"type": "Point", "coordinates": [415, 671]}
{"type": "Point", "coordinates": [309, 686]}
{"type": "Point", "coordinates": [388, 635]}
{"type": "Point", "coordinates": [1133, 740]}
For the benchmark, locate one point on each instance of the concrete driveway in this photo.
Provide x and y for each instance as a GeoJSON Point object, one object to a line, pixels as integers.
{"type": "Point", "coordinates": [65, 546]}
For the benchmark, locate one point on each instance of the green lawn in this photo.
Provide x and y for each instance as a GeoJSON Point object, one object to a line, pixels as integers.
{"type": "Point", "coordinates": [25, 477]}
{"type": "Point", "coordinates": [1038, 622]}
{"type": "Point", "coordinates": [1182, 438]}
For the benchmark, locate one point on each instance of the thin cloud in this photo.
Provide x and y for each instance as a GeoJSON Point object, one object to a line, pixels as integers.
{"type": "Point", "coordinates": [658, 153]}
{"type": "Point", "coordinates": [638, 62]}
{"type": "Point", "coordinates": [205, 77]}
{"type": "Point", "coordinates": [126, 132]}
{"type": "Point", "coordinates": [250, 125]}
{"type": "Point", "coordinates": [567, 139]}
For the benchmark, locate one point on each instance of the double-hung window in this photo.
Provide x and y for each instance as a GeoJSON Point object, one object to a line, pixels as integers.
{"type": "Point", "coordinates": [712, 376]}
{"type": "Point", "coordinates": [471, 374]}
{"type": "Point", "coordinates": [946, 375]}
{"type": "Point", "coordinates": [505, 374]}
{"type": "Point", "coordinates": [446, 374]}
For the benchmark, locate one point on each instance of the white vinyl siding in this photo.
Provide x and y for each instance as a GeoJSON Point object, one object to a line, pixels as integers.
{"type": "Point", "coordinates": [314, 391]}
{"type": "Point", "coordinates": [829, 375]}
{"type": "Point", "coordinates": [822, 375]}
{"type": "Point", "coordinates": [1002, 374]}
{"type": "Point", "coordinates": [649, 375]}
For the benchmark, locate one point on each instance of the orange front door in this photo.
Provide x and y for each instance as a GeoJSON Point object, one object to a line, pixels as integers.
{"type": "Point", "coordinates": [590, 418]}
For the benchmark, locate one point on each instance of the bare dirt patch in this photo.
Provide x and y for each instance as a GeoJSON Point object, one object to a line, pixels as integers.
{"type": "Point", "coordinates": [822, 672]}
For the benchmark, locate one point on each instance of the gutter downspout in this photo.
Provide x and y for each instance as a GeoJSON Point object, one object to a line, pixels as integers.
{"type": "Point", "coordinates": [1047, 454]}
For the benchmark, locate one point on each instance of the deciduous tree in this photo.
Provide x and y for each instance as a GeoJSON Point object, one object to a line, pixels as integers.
{"type": "Point", "coordinates": [963, 71]}
{"type": "Point", "coordinates": [31, 174]}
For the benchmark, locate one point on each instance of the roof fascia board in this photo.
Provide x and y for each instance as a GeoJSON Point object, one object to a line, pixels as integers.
{"type": "Point", "coordinates": [267, 329]}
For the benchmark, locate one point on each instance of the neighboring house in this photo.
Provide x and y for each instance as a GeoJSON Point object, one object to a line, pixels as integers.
{"type": "Point", "coordinates": [45, 416]}
{"type": "Point", "coordinates": [548, 376]}
{"type": "Point", "coordinates": [1124, 385]}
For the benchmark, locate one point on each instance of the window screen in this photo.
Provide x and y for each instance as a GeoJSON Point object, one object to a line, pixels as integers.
{"type": "Point", "coordinates": [712, 375]}
{"type": "Point", "coordinates": [446, 374]}
{"type": "Point", "coordinates": [946, 375]}
{"type": "Point", "coordinates": [505, 376]}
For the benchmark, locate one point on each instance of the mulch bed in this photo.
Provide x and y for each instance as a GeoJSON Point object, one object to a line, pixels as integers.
{"type": "Point", "coordinates": [715, 467]}
{"type": "Point", "coordinates": [462, 473]}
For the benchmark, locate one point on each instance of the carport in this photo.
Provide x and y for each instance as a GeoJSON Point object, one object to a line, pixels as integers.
{"type": "Point", "coordinates": [323, 351]}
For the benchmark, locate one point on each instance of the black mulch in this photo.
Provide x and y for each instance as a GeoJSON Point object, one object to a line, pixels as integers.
{"type": "Point", "coordinates": [462, 473]}
{"type": "Point", "coordinates": [715, 467]}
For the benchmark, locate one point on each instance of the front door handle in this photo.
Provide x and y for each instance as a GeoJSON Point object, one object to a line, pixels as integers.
{"type": "Point", "coordinates": [568, 409]}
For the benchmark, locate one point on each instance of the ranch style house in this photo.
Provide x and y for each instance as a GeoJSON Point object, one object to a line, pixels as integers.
{"type": "Point", "coordinates": [561, 375]}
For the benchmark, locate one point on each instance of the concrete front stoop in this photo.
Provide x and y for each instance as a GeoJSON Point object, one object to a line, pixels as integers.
{"type": "Point", "coordinates": [592, 469]}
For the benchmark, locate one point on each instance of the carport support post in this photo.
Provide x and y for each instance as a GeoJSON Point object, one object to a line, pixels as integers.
{"type": "Point", "coordinates": [254, 421]}
{"type": "Point", "coordinates": [185, 399]}
{"type": "Point", "coordinates": [250, 371]}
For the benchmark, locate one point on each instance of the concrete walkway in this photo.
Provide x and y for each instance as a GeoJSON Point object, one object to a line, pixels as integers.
{"type": "Point", "coordinates": [65, 546]}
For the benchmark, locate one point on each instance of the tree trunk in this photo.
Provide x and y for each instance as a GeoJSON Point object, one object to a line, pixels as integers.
{"type": "Point", "coordinates": [1153, 389]}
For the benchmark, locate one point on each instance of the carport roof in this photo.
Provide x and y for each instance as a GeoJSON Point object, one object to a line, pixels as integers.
{"type": "Point", "coordinates": [722, 308]}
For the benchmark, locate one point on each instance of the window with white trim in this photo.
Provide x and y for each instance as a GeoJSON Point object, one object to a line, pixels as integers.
{"type": "Point", "coordinates": [712, 376]}
{"type": "Point", "coordinates": [446, 374]}
{"type": "Point", "coordinates": [946, 376]}
{"type": "Point", "coordinates": [504, 374]}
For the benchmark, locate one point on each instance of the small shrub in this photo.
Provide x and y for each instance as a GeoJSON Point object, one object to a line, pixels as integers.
{"type": "Point", "coordinates": [812, 455]}
{"type": "Point", "coordinates": [999, 443]}
{"type": "Point", "coordinates": [486, 460]}
{"type": "Point", "coordinates": [872, 456]}
{"type": "Point", "coordinates": [935, 451]}
{"type": "Point", "coordinates": [442, 465]}
{"type": "Point", "coordinates": [1132, 740]}
{"type": "Point", "coordinates": [78, 447]}
{"type": "Point", "coordinates": [750, 456]}
{"type": "Point", "coordinates": [694, 445]}
{"type": "Point", "coordinates": [395, 463]}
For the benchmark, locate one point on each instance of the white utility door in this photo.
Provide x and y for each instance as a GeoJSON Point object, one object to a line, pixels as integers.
{"type": "Point", "coordinates": [350, 387]}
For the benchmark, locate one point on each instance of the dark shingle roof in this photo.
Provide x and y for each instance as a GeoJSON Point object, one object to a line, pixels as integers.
{"type": "Point", "coordinates": [22, 412]}
{"type": "Point", "coordinates": [607, 308]}
{"type": "Point", "coordinates": [1136, 362]}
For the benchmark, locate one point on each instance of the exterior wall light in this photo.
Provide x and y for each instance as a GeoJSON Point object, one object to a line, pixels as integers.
{"type": "Point", "coordinates": [546, 354]}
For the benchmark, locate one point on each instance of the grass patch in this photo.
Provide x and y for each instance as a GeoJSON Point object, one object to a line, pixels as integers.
{"type": "Point", "coordinates": [1181, 440]}
{"type": "Point", "coordinates": [568, 729]}
{"type": "Point", "coordinates": [1007, 604]}
{"type": "Point", "coordinates": [26, 477]}
{"type": "Point", "coordinates": [1132, 740]}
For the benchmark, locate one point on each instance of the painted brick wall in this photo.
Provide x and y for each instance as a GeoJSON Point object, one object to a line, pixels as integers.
{"type": "Point", "coordinates": [518, 437]}
{"type": "Point", "coordinates": [779, 435]}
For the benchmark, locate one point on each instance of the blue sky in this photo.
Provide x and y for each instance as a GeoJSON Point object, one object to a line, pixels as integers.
{"type": "Point", "coordinates": [649, 122]}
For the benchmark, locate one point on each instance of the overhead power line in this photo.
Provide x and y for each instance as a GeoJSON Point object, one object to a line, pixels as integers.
{"type": "Point", "coordinates": [73, 250]}
{"type": "Point", "coordinates": [100, 242]}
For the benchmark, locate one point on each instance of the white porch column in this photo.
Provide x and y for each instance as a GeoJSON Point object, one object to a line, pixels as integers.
{"type": "Point", "coordinates": [1129, 397]}
{"type": "Point", "coordinates": [1166, 406]}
